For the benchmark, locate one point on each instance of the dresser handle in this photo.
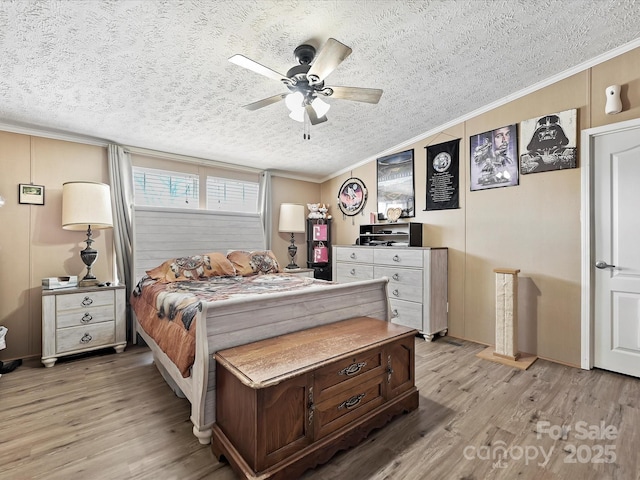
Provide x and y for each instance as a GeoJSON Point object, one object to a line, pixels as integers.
{"type": "Point", "coordinates": [86, 338]}
{"type": "Point", "coordinates": [389, 369]}
{"type": "Point", "coordinates": [352, 402]}
{"type": "Point", "coordinates": [394, 313]}
{"type": "Point", "coordinates": [86, 318]}
{"type": "Point", "coordinates": [396, 258]}
{"type": "Point", "coordinates": [352, 369]}
{"type": "Point", "coordinates": [87, 301]}
{"type": "Point", "coordinates": [396, 293]}
{"type": "Point", "coordinates": [396, 276]}
{"type": "Point", "coordinates": [353, 271]}
{"type": "Point", "coordinates": [353, 255]}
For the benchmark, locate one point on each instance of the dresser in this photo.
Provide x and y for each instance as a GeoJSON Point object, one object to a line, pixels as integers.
{"type": "Point", "coordinates": [289, 403]}
{"type": "Point", "coordinates": [418, 292]}
{"type": "Point", "coordinates": [76, 320]}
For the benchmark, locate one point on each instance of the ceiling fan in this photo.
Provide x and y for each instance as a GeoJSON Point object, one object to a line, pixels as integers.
{"type": "Point", "coordinates": [306, 82]}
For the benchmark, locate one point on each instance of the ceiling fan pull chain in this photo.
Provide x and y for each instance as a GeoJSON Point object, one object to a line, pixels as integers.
{"type": "Point", "coordinates": [306, 134]}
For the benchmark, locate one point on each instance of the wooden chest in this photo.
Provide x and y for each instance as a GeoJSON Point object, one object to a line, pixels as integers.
{"type": "Point", "coordinates": [289, 403]}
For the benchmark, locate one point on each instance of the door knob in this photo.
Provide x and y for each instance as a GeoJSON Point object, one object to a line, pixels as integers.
{"type": "Point", "coordinates": [602, 265]}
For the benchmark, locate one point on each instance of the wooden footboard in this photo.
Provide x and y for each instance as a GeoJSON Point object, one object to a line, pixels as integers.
{"type": "Point", "coordinates": [236, 322]}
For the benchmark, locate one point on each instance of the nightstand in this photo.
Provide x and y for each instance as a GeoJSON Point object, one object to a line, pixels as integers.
{"type": "Point", "coordinates": [301, 272]}
{"type": "Point", "coordinates": [76, 320]}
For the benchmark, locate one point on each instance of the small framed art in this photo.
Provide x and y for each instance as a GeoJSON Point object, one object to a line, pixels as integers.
{"type": "Point", "coordinates": [31, 194]}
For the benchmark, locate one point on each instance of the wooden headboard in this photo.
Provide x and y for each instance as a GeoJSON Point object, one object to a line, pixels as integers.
{"type": "Point", "coordinates": [161, 234]}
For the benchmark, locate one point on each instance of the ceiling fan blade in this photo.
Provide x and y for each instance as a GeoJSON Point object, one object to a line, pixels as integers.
{"type": "Point", "coordinates": [356, 94]}
{"type": "Point", "coordinates": [313, 117]}
{"type": "Point", "coordinates": [329, 57]}
{"type": "Point", "coordinates": [254, 66]}
{"type": "Point", "coordinates": [265, 102]}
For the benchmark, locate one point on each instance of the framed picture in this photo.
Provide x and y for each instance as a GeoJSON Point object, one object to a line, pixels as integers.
{"type": "Point", "coordinates": [494, 158]}
{"type": "Point", "coordinates": [396, 189]}
{"type": "Point", "coordinates": [549, 143]}
{"type": "Point", "coordinates": [31, 194]}
{"type": "Point", "coordinates": [352, 197]}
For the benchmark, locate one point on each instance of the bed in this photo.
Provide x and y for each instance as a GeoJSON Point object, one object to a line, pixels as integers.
{"type": "Point", "coordinates": [236, 319]}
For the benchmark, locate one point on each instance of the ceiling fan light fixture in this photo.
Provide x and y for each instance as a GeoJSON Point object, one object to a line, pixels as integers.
{"type": "Point", "coordinates": [321, 107]}
{"type": "Point", "coordinates": [297, 115]}
{"type": "Point", "coordinates": [294, 101]}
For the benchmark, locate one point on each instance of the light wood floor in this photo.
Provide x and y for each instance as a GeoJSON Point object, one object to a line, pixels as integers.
{"type": "Point", "coordinates": [111, 416]}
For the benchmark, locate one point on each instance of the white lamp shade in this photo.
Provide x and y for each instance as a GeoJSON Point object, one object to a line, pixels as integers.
{"type": "Point", "coordinates": [84, 204]}
{"type": "Point", "coordinates": [291, 218]}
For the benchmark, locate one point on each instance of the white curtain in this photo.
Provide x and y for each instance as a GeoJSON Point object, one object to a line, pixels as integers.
{"type": "Point", "coordinates": [121, 180]}
{"type": "Point", "coordinates": [264, 206]}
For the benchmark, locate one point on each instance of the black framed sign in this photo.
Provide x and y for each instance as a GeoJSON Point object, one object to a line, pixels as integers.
{"type": "Point", "coordinates": [31, 194]}
{"type": "Point", "coordinates": [352, 196]}
{"type": "Point", "coordinates": [443, 176]}
{"type": "Point", "coordinates": [396, 189]}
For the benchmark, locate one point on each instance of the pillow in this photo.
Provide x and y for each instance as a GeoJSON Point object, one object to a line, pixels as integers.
{"type": "Point", "coordinates": [250, 263]}
{"type": "Point", "coordinates": [194, 267]}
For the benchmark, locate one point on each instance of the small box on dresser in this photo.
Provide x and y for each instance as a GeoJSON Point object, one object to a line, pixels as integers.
{"type": "Point", "coordinates": [76, 320]}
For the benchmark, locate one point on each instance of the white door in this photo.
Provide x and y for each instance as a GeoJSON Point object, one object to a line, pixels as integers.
{"type": "Point", "coordinates": [616, 187]}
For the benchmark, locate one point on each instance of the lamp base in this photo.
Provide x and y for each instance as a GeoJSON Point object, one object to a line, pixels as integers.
{"type": "Point", "coordinates": [89, 282]}
{"type": "Point", "coordinates": [292, 249]}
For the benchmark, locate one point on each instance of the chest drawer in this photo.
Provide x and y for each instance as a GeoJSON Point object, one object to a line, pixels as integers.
{"type": "Point", "coordinates": [84, 300]}
{"type": "Point", "coordinates": [86, 316]}
{"type": "Point", "coordinates": [77, 338]}
{"type": "Point", "coordinates": [355, 255]}
{"type": "Point", "coordinates": [404, 283]}
{"type": "Point", "coordinates": [401, 257]}
{"type": "Point", "coordinates": [351, 272]}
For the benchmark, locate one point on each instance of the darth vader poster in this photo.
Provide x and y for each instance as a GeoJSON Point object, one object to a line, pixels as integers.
{"type": "Point", "coordinates": [549, 142]}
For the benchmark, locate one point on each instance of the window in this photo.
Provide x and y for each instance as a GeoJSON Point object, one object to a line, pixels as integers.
{"type": "Point", "coordinates": [163, 188]}
{"type": "Point", "coordinates": [232, 195]}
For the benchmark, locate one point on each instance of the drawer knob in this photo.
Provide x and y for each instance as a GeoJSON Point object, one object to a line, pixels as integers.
{"type": "Point", "coordinates": [394, 313]}
{"type": "Point", "coordinates": [396, 276]}
{"type": "Point", "coordinates": [353, 271]}
{"type": "Point", "coordinates": [86, 318]}
{"type": "Point", "coordinates": [352, 369]}
{"type": "Point", "coordinates": [396, 293]}
{"type": "Point", "coordinates": [87, 301]}
{"type": "Point", "coordinates": [86, 338]}
{"type": "Point", "coordinates": [396, 258]}
{"type": "Point", "coordinates": [352, 402]}
{"type": "Point", "coordinates": [353, 255]}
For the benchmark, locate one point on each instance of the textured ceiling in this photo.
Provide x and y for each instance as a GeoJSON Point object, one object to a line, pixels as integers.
{"type": "Point", "coordinates": [154, 74]}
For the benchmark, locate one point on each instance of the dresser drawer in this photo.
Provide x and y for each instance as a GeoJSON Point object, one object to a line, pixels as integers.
{"type": "Point", "coordinates": [355, 255]}
{"type": "Point", "coordinates": [351, 272]}
{"type": "Point", "coordinates": [87, 316]}
{"type": "Point", "coordinates": [404, 283]}
{"type": "Point", "coordinates": [406, 313]}
{"type": "Point", "coordinates": [401, 257]}
{"type": "Point", "coordinates": [78, 338]}
{"type": "Point", "coordinates": [83, 300]}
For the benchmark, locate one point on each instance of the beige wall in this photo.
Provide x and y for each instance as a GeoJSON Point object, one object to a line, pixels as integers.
{"type": "Point", "coordinates": [33, 244]}
{"type": "Point", "coordinates": [534, 227]}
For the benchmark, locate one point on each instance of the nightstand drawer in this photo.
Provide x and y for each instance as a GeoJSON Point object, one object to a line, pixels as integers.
{"type": "Point", "coordinates": [78, 338]}
{"type": "Point", "coordinates": [87, 316]}
{"type": "Point", "coordinates": [83, 300]}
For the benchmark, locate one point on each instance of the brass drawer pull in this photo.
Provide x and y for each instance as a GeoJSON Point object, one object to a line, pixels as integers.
{"type": "Point", "coordinates": [86, 318]}
{"type": "Point", "coordinates": [352, 402]}
{"type": "Point", "coordinates": [352, 369]}
{"type": "Point", "coordinates": [87, 301]}
{"type": "Point", "coordinates": [86, 338]}
{"type": "Point", "coordinates": [311, 406]}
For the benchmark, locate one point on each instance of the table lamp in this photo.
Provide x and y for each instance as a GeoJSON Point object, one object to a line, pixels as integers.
{"type": "Point", "coordinates": [292, 221]}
